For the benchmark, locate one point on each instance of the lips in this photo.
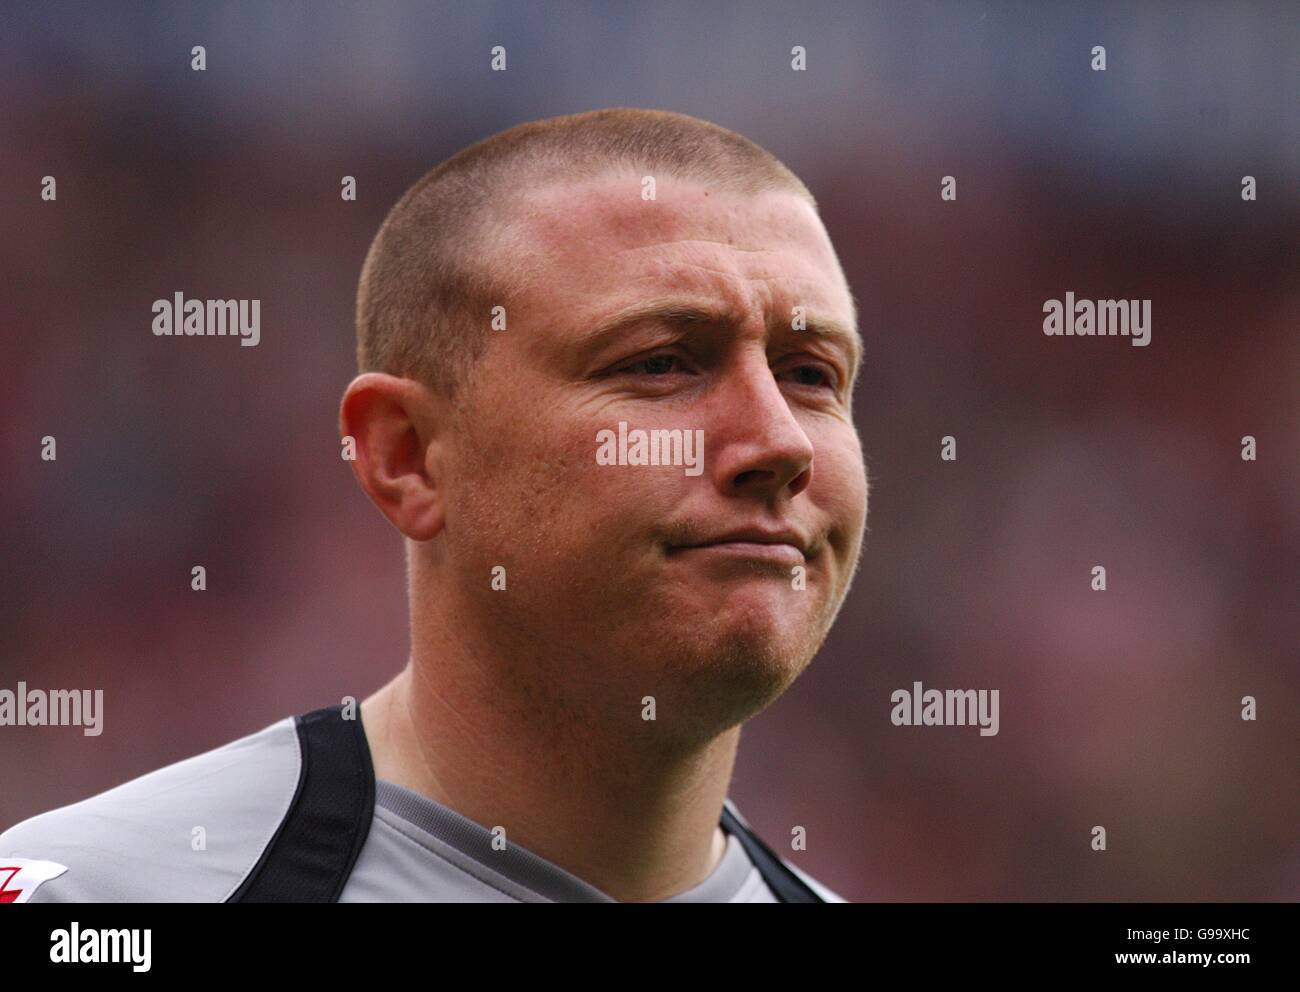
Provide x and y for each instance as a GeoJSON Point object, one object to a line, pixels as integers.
{"type": "Point", "coordinates": [783, 555]}
{"type": "Point", "coordinates": [777, 544]}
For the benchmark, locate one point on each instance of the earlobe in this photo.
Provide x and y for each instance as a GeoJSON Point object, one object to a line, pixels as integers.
{"type": "Point", "coordinates": [394, 433]}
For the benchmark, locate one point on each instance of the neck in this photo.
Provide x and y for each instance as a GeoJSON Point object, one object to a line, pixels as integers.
{"type": "Point", "coordinates": [604, 800]}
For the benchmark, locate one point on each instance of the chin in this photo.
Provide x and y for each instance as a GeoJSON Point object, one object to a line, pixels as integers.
{"type": "Point", "coordinates": [719, 653]}
{"type": "Point", "coordinates": [749, 653]}
{"type": "Point", "coordinates": [767, 619]}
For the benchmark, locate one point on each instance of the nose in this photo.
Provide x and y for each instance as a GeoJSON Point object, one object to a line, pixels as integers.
{"type": "Point", "coordinates": [759, 447]}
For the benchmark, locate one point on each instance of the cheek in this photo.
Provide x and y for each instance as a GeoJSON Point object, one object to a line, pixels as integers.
{"type": "Point", "coordinates": [840, 481]}
{"type": "Point", "coordinates": [530, 482]}
{"type": "Point", "coordinates": [510, 471]}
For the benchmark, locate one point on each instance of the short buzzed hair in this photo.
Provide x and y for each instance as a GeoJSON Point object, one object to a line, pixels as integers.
{"type": "Point", "coordinates": [424, 302]}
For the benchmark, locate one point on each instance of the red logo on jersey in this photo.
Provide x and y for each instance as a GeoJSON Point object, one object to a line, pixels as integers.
{"type": "Point", "coordinates": [7, 894]}
{"type": "Point", "coordinates": [21, 877]}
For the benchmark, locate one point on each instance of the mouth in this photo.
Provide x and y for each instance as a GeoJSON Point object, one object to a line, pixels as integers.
{"type": "Point", "coordinates": [777, 554]}
{"type": "Point", "coordinates": [785, 548]}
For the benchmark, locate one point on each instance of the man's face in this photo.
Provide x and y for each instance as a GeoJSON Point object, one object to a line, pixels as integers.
{"type": "Point", "coordinates": [608, 570]}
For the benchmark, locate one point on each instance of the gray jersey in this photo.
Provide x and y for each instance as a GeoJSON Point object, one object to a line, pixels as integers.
{"type": "Point", "coordinates": [289, 814]}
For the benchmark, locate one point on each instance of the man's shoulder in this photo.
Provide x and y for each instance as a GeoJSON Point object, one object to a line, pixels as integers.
{"type": "Point", "coordinates": [187, 832]}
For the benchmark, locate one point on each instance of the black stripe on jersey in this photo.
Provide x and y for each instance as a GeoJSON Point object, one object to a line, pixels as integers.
{"type": "Point", "coordinates": [785, 884]}
{"type": "Point", "coordinates": [317, 844]}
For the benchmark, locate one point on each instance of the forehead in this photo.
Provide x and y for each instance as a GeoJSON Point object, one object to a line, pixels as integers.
{"type": "Point", "coordinates": [593, 246]}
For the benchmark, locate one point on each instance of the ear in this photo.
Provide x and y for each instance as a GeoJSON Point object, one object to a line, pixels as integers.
{"type": "Point", "coordinates": [399, 429]}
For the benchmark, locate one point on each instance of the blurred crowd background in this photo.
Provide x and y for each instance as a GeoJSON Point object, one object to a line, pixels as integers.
{"type": "Point", "coordinates": [1120, 709]}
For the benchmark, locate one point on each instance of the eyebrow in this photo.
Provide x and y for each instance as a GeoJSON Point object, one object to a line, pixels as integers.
{"type": "Point", "coordinates": [685, 313]}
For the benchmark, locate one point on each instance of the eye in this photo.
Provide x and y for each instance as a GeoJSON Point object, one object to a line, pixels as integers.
{"type": "Point", "coordinates": [655, 365]}
{"type": "Point", "coordinates": [815, 375]}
